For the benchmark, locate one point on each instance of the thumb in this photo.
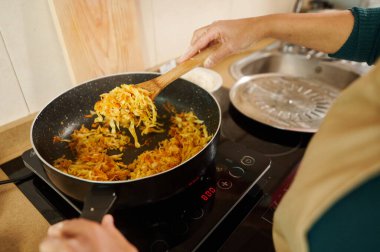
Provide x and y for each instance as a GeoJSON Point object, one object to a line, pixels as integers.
{"type": "Point", "coordinates": [117, 236]}
{"type": "Point", "coordinates": [108, 222]}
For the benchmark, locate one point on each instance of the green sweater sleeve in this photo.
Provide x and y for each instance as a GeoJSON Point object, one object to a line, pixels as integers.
{"type": "Point", "coordinates": [363, 44]}
{"type": "Point", "coordinates": [352, 224]}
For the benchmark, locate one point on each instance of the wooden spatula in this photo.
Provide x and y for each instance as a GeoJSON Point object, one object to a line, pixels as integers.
{"type": "Point", "coordinates": [157, 84]}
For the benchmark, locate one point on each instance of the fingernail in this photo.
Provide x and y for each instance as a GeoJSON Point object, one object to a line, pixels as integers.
{"type": "Point", "coordinates": [208, 63]}
{"type": "Point", "coordinates": [55, 230]}
{"type": "Point", "coordinates": [189, 52]}
{"type": "Point", "coordinates": [180, 59]}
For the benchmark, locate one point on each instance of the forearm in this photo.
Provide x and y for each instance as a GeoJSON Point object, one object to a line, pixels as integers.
{"type": "Point", "coordinates": [325, 32]}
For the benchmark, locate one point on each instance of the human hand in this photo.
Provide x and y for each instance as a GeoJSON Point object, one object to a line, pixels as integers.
{"type": "Point", "coordinates": [81, 235]}
{"type": "Point", "coordinates": [233, 35]}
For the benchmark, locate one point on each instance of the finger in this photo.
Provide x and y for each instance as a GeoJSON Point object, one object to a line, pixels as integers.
{"type": "Point", "coordinates": [217, 56]}
{"type": "Point", "coordinates": [192, 50]}
{"type": "Point", "coordinates": [108, 224]}
{"type": "Point", "coordinates": [207, 38]}
{"type": "Point", "coordinates": [189, 53]}
{"type": "Point", "coordinates": [51, 244]}
{"type": "Point", "coordinates": [202, 42]}
{"type": "Point", "coordinates": [72, 227]}
{"type": "Point", "coordinates": [55, 230]}
{"type": "Point", "coordinates": [108, 221]}
{"type": "Point", "coordinates": [199, 33]}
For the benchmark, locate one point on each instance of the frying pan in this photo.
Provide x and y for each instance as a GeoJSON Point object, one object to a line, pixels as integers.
{"type": "Point", "coordinates": [66, 113]}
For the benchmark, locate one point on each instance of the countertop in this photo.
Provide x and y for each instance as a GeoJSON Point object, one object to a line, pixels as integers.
{"type": "Point", "coordinates": [22, 226]}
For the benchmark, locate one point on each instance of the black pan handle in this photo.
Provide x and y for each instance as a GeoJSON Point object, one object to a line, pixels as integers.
{"type": "Point", "coordinates": [98, 202]}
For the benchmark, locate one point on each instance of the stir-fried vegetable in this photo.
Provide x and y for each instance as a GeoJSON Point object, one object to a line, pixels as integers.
{"type": "Point", "coordinates": [188, 135]}
{"type": "Point", "coordinates": [129, 107]}
{"type": "Point", "coordinates": [90, 147]}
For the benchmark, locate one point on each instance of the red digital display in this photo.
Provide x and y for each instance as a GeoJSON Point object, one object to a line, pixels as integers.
{"type": "Point", "coordinates": [208, 193]}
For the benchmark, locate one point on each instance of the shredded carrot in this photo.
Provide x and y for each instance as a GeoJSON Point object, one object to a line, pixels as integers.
{"type": "Point", "coordinates": [92, 147]}
{"type": "Point", "coordinates": [129, 107]}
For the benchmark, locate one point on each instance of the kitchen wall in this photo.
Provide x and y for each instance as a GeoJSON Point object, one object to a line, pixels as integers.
{"type": "Point", "coordinates": [169, 24]}
{"type": "Point", "coordinates": [34, 67]}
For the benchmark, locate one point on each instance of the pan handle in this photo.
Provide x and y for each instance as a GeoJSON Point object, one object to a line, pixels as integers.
{"type": "Point", "coordinates": [98, 202]}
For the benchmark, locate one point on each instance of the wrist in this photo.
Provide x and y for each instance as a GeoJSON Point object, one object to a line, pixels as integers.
{"type": "Point", "coordinates": [271, 26]}
{"type": "Point", "coordinates": [263, 27]}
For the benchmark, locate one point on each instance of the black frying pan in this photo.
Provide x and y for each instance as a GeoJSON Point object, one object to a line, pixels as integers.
{"type": "Point", "coordinates": [66, 113]}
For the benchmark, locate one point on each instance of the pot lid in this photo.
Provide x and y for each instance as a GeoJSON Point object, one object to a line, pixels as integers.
{"type": "Point", "coordinates": [283, 101]}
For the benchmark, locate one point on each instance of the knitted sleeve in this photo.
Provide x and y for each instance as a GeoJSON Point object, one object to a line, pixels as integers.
{"type": "Point", "coordinates": [363, 44]}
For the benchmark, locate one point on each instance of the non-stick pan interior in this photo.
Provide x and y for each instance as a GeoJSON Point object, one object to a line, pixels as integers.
{"type": "Point", "coordinates": [67, 112]}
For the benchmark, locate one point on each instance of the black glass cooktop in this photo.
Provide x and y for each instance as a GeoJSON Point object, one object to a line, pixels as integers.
{"type": "Point", "coordinates": [184, 221]}
{"type": "Point", "coordinates": [230, 208]}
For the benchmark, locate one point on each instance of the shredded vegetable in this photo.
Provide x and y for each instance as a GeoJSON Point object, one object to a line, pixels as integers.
{"type": "Point", "coordinates": [90, 147]}
{"type": "Point", "coordinates": [129, 107]}
{"type": "Point", "coordinates": [188, 135]}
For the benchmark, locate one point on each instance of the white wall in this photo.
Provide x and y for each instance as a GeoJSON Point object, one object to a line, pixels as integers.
{"type": "Point", "coordinates": [33, 70]}
{"type": "Point", "coordinates": [12, 103]}
{"type": "Point", "coordinates": [169, 24]}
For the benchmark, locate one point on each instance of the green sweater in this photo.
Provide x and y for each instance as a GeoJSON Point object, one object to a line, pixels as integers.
{"type": "Point", "coordinates": [353, 222]}
{"type": "Point", "coordinates": [363, 45]}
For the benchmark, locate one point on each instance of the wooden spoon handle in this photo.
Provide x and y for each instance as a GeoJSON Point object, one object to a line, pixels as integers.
{"type": "Point", "coordinates": [157, 84]}
{"type": "Point", "coordinates": [184, 67]}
